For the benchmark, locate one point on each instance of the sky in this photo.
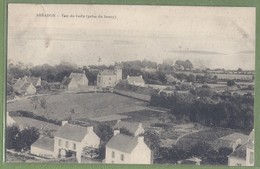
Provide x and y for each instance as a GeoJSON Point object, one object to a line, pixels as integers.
{"type": "Point", "coordinates": [213, 37]}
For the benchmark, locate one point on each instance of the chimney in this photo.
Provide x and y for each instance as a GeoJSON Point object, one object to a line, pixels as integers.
{"type": "Point", "coordinates": [128, 76]}
{"type": "Point", "coordinates": [63, 123]}
{"type": "Point", "coordinates": [116, 131]}
{"type": "Point", "coordinates": [140, 139]}
{"type": "Point", "coordinates": [84, 72]}
{"type": "Point", "coordinates": [90, 129]}
{"type": "Point", "coordinates": [141, 76]}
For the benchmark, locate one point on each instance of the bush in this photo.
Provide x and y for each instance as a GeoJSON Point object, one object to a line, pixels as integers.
{"type": "Point", "coordinates": [20, 139]}
{"type": "Point", "coordinates": [11, 136]}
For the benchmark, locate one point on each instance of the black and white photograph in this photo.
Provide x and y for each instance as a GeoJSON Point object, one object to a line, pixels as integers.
{"type": "Point", "coordinates": [130, 84]}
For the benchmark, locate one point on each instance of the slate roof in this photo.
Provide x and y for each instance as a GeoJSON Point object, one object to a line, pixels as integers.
{"type": "Point", "coordinates": [34, 80]}
{"type": "Point", "coordinates": [19, 83]}
{"type": "Point", "coordinates": [72, 132]}
{"type": "Point", "coordinates": [135, 79]}
{"type": "Point", "coordinates": [25, 86]}
{"type": "Point", "coordinates": [239, 152]}
{"type": "Point", "coordinates": [122, 143]}
{"type": "Point", "coordinates": [66, 81]}
{"type": "Point", "coordinates": [131, 127]}
{"type": "Point", "coordinates": [76, 76]}
{"type": "Point", "coordinates": [45, 143]}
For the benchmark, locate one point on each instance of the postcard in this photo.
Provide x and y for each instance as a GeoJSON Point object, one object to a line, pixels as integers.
{"type": "Point", "coordinates": [130, 84]}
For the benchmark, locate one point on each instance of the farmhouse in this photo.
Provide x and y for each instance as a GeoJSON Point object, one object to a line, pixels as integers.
{"type": "Point", "coordinates": [72, 139]}
{"type": "Point", "coordinates": [27, 85]}
{"type": "Point", "coordinates": [125, 149]}
{"type": "Point", "coordinates": [26, 89]}
{"type": "Point", "coordinates": [75, 81]}
{"type": "Point", "coordinates": [109, 78]}
{"type": "Point", "coordinates": [69, 140]}
{"type": "Point", "coordinates": [135, 80]}
{"type": "Point", "coordinates": [243, 155]}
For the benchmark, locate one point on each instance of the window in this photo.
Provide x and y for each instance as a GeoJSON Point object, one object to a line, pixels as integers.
{"type": "Point", "coordinates": [251, 157]}
{"type": "Point", "coordinates": [122, 157]}
{"type": "Point", "coordinates": [67, 144]}
{"type": "Point", "coordinates": [74, 146]}
{"type": "Point", "coordinates": [59, 142]}
{"type": "Point", "coordinates": [113, 154]}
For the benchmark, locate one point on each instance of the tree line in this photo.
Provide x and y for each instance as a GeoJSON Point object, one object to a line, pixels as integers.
{"type": "Point", "coordinates": [209, 108]}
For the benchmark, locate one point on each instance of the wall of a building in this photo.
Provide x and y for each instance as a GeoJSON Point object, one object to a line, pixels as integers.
{"type": "Point", "coordinates": [141, 154]}
{"type": "Point", "coordinates": [117, 158]}
{"type": "Point", "coordinates": [42, 152]}
{"type": "Point", "coordinates": [236, 162]}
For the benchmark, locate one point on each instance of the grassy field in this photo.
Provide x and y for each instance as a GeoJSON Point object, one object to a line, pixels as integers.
{"type": "Point", "coordinates": [85, 105]}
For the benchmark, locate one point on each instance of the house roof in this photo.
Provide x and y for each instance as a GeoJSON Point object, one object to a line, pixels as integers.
{"type": "Point", "coordinates": [76, 76]}
{"type": "Point", "coordinates": [239, 152]}
{"type": "Point", "coordinates": [66, 81]}
{"type": "Point", "coordinates": [34, 80]}
{"type": "Point", "coordinates": [45, 143]}
{"type": "Point", "coordinates": [135, 79]}
{"type": "Point", "coordinates": [131, 127]}
{"type": "Point", "coordinates": [25, 86]}
{"type": "Point", "coordinates": [122, 143]}
{"type": "Point", "coordinates": [72, 132]}
{"type": "Point", "coordinates": [21, 82]}
{"type": "Point", "coordinates": [18, 84]}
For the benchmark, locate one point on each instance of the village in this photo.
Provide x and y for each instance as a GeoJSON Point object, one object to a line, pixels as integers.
{"type": "Point", "coordinates": [135, 112]}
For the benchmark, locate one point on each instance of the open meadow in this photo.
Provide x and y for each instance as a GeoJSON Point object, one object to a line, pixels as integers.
{"type": "Point", "coordinates": [79, 105]}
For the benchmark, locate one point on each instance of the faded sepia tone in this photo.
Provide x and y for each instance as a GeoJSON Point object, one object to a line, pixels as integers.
{"type": "Point", "coordinates": [130, 84]}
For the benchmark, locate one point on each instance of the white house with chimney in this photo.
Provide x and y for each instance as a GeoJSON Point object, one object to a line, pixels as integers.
{"type": "Point", "coordinates": [69, 139]}
{"type": "Point", "coordinates": [75, 81]}
{"type": "Point", "coordinates": [128, 149]}
{"type": "Point", "coordinates": [244, 154]}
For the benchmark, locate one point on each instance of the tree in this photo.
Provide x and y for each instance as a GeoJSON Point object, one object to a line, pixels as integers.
{"type": "Point", "coordinates": [231, 83]}
{"type": "Point", "coordinates": [152, 140]}
{"type": "Point", "coordinates": [26, 138]}
{"type": "Point", "coordinates": [191, 78]}
{"type": "Point", "coordinates": [91, 152]}
{"type": "Point", "coordinates": [11, 136]}
{"type": "Point", "coordinates": [105, 132]}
